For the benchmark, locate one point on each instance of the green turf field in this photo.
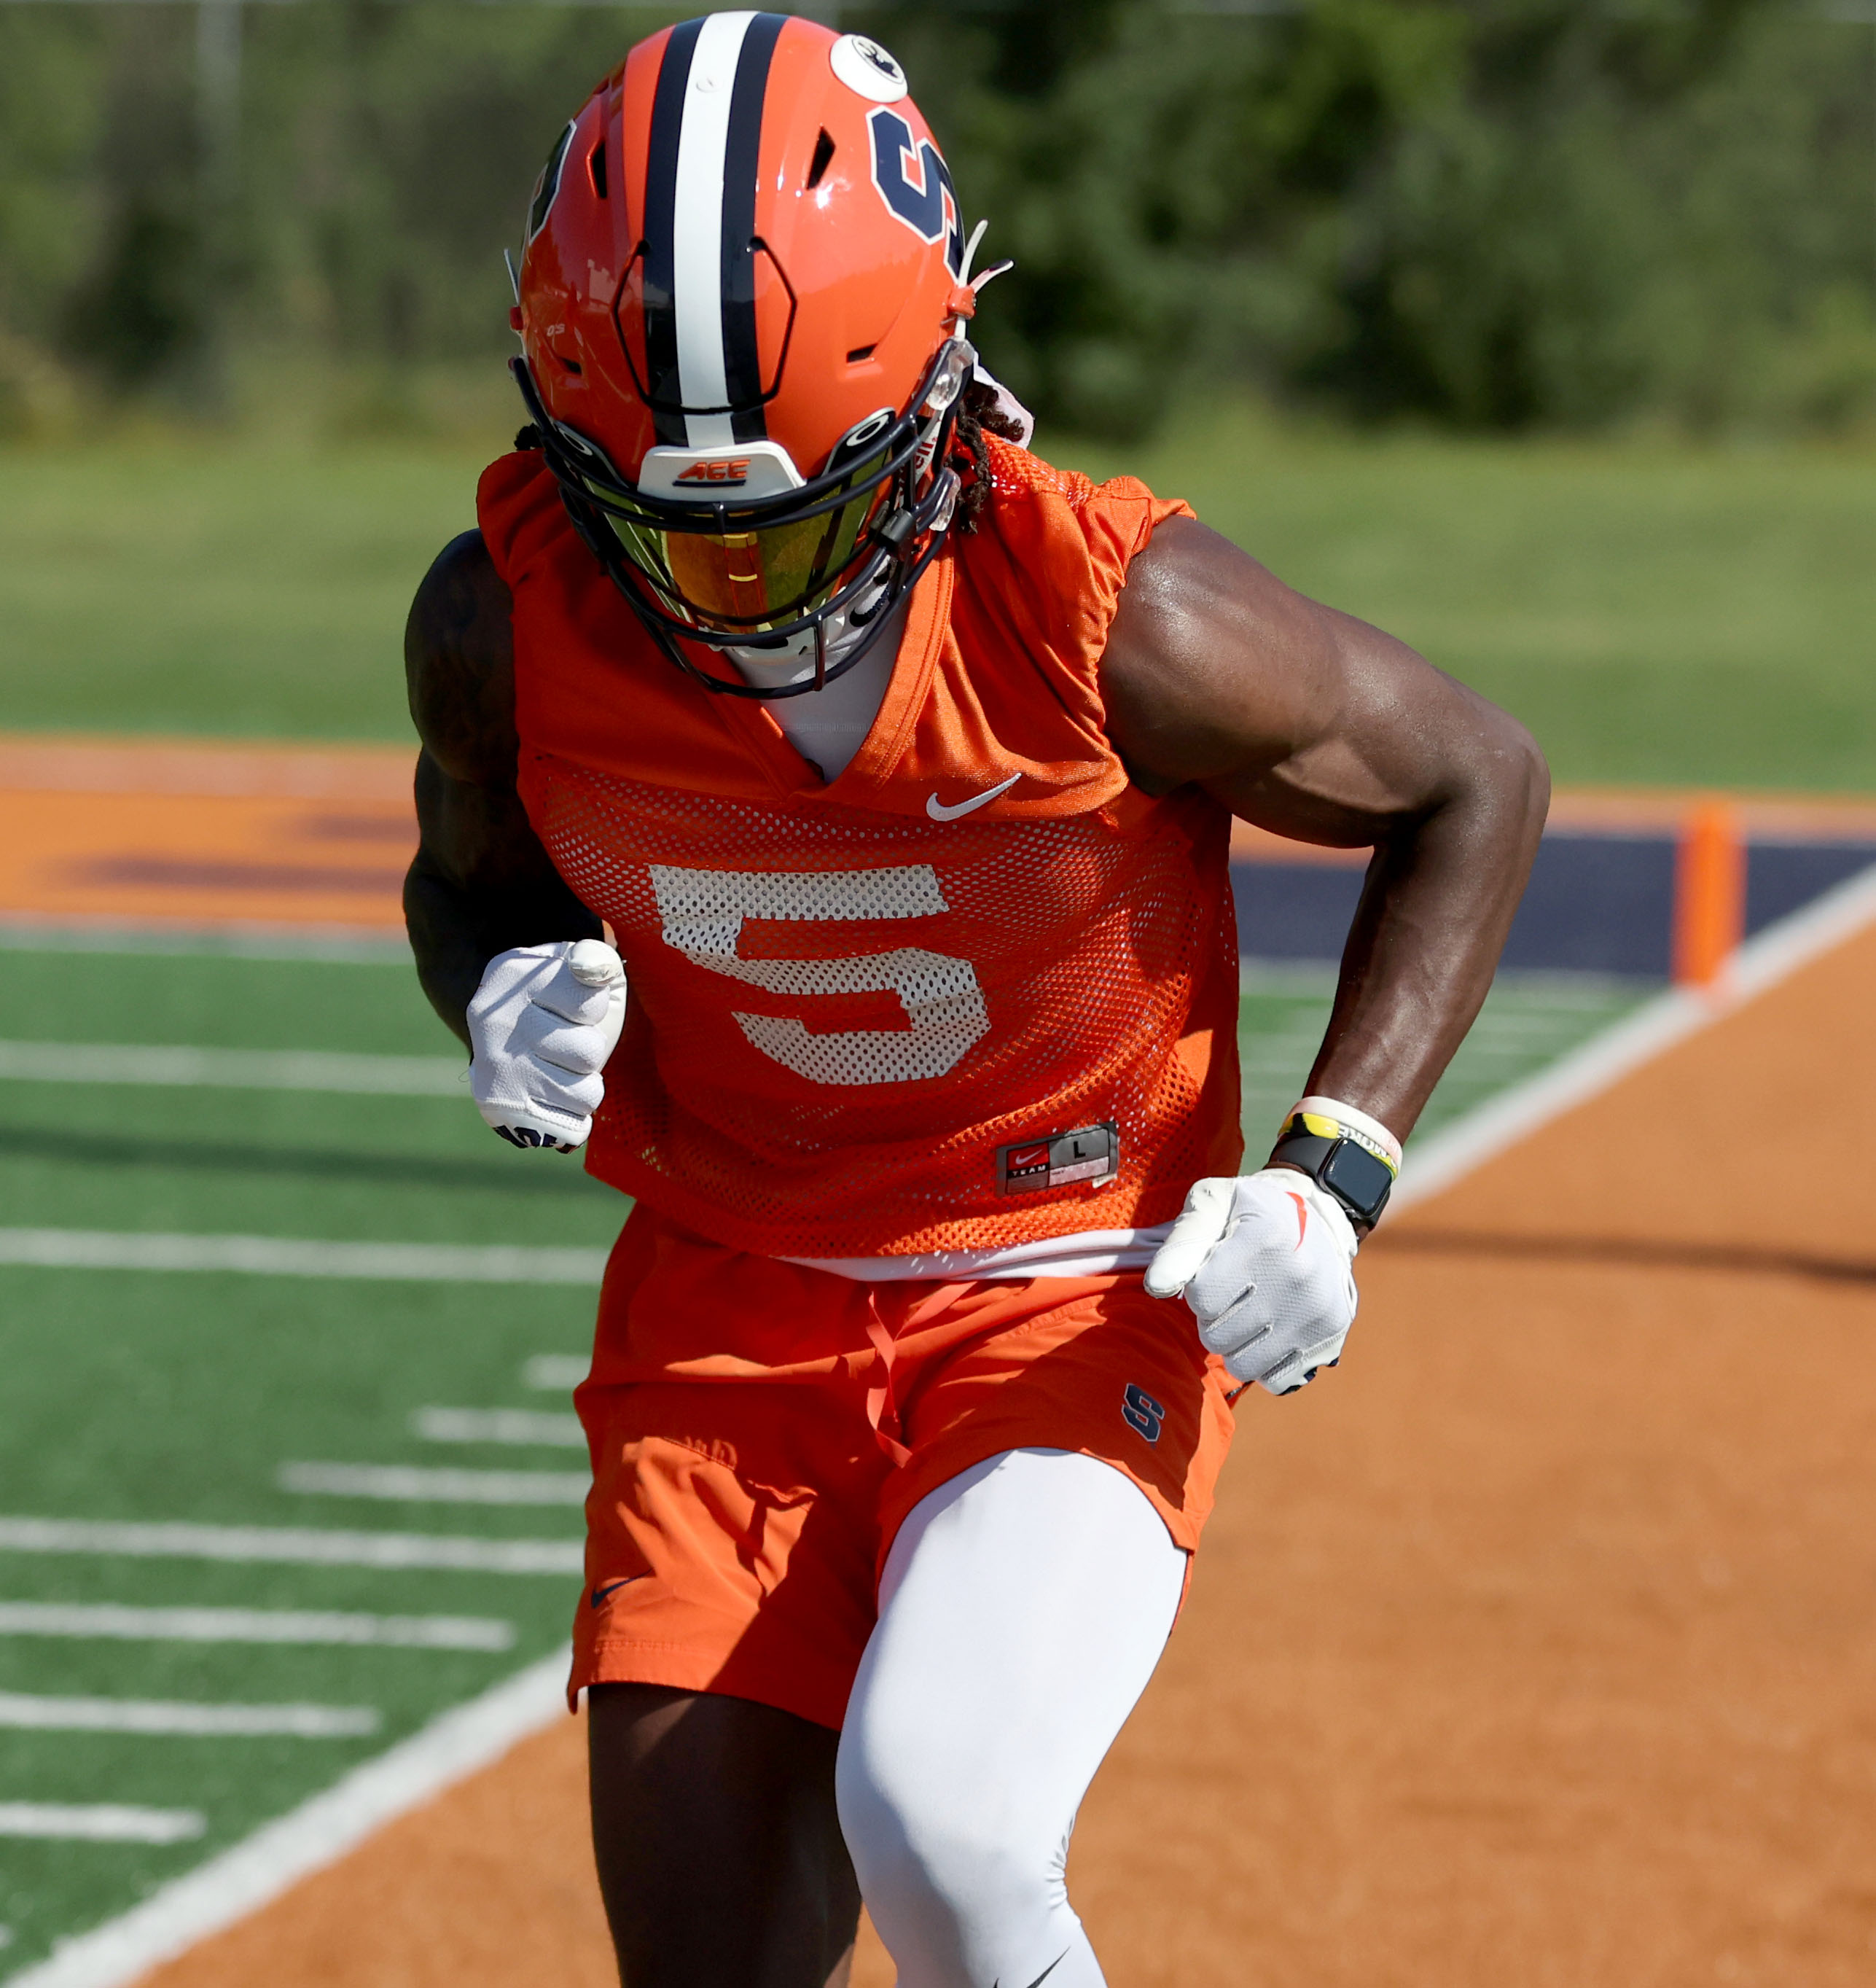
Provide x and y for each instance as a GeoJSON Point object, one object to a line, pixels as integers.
{"type": "Point", "coordinates": [139, 1398]}
{"type": "Point", "coordinates": [1656, 612]}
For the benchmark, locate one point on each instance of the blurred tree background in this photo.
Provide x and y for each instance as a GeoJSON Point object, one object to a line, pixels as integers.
{"type": "Point", "coordinates": [1486, 214]}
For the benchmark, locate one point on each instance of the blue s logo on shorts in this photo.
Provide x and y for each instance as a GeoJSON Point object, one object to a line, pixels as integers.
{"type": "Point", "coordinates": [1141, 1413]}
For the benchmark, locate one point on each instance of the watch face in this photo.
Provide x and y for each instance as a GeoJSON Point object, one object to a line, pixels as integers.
{"type": "Point", "coordinates": [1354, 1174]}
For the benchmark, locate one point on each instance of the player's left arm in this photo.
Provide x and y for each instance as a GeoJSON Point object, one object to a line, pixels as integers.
{"type": "Point", "coordinates": [1313, 724]}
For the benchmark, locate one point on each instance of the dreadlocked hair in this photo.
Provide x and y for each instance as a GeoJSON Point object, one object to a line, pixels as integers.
{"type": "Point", "coordinates": [978, 416]}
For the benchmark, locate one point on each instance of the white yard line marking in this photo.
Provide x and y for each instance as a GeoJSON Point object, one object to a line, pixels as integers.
{"type": "Point", "coordinates": [33, 1712]}
{"type": "Point", "coordinates": [406, 1482]}
{"type": "Point", "coordinates": [301, 1545]}
{"type": "Point", "coordinates": [521, 1426]}
{"type": "Point", "coordinates": [113, 1621]}
{"type": "Point", "coordinates": [1501, 1122]}
{"type": "Point", "coordinates": [99, 1822]}
{"type": "Point", "coordinates": [281, 1256]}
{"type": "Point", "coordinates": [555, 1373]}
{"type": "Point", "coordinates": [235, 1070]}
{"type": "Point", "coordinates": [241, 1880]}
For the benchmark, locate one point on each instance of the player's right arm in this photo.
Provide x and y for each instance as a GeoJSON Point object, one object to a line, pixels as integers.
{"type": "Point", "coordinates": [481, 884]}
{"type": "Point", "coordinates": [509, 958]}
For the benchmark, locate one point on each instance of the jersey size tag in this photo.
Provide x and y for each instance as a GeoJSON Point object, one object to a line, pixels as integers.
{"type": "Point", "coordinates": [1092, 1155]}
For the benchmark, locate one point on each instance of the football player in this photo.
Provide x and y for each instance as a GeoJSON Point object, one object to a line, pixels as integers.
{"type": "Point", "coordinates": [825, 807]}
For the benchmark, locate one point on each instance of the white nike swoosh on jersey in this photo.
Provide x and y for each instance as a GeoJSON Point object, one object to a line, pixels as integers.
{"type": "Point", "coordinates": [938, 811]}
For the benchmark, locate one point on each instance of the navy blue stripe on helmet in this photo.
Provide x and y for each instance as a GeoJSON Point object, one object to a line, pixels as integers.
{"type": "Point", "coordinates": [662, 387]}
{"type": "Point", "coordinates": [742, 366]}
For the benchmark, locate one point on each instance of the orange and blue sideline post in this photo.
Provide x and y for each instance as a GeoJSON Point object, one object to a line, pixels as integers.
{"type": "Point", "coordinates": [1709, 895]}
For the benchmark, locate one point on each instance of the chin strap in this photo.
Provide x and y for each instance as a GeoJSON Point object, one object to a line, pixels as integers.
{"type": "Point", "coordinates": [829, 642]}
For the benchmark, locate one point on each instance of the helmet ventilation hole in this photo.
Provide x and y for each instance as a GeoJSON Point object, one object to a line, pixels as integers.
{"type": "Point", "coordinates": [861, 352]}
{"type": "Point", "coordinates": [595, 165]}
{"type": "Point", "coordinates": [823, 156]}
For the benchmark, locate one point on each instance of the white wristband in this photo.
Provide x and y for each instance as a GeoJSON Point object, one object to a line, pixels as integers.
{"type": "Point", "coordinates": [1370, 1131]}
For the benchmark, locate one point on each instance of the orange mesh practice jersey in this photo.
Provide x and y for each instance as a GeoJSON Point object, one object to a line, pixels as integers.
{"type": "Point", "coordinates": [977, 991]}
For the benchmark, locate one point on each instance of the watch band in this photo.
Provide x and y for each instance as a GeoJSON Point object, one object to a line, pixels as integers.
{"type": "Point", "coordinates": [1343, 1160]}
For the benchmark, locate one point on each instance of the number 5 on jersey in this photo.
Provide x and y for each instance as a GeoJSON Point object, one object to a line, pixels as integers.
{"type": "Point", "coordinates": [703, 912]}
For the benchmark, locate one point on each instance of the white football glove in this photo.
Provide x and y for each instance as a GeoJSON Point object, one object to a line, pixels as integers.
{"type": "Point", "coordinates": [1266, 1261]}
{"type": "Point", "coordinates": [540, 1026]}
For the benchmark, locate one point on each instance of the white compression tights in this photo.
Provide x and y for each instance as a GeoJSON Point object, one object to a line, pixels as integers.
{"type": "Point", "coordinates": [1023, 1607]}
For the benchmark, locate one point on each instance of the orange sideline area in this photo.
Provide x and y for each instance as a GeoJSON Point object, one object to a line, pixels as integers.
{"type": "Point", "coordinates": [198, 832]}
{"type": "Point", "coordinates": [191, 832]}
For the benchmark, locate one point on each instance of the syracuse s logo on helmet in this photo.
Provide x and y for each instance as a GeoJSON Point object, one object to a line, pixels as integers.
{"type": "Point", "coordinates": [927, 205]}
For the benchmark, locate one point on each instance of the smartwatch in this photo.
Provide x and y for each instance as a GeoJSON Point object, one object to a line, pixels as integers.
{"type": "Point", "coordinates": [1343, 1165]}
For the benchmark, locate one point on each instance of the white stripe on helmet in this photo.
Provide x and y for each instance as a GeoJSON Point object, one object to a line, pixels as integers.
{"type": "Point", "coordinates": [697, 247]}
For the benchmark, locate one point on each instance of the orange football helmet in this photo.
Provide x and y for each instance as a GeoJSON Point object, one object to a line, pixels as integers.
{"type": "Point", "coordinates": [740, 301]}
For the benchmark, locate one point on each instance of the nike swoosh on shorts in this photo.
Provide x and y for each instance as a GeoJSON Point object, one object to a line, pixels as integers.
{"type": "Point", "coordinates": [598, 1596]}
{"type": "Point", "coordinates": [938, 811]}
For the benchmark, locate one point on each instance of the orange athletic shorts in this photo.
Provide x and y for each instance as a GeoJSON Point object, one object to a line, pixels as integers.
{"type": "Point", "coordinates": [759, 1430]}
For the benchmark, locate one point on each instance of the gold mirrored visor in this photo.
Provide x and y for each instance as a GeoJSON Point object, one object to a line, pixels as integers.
{"type": "Point", "coordinates": [734, 568]}
{"type": "Point", "coordinates": [753, 579]}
